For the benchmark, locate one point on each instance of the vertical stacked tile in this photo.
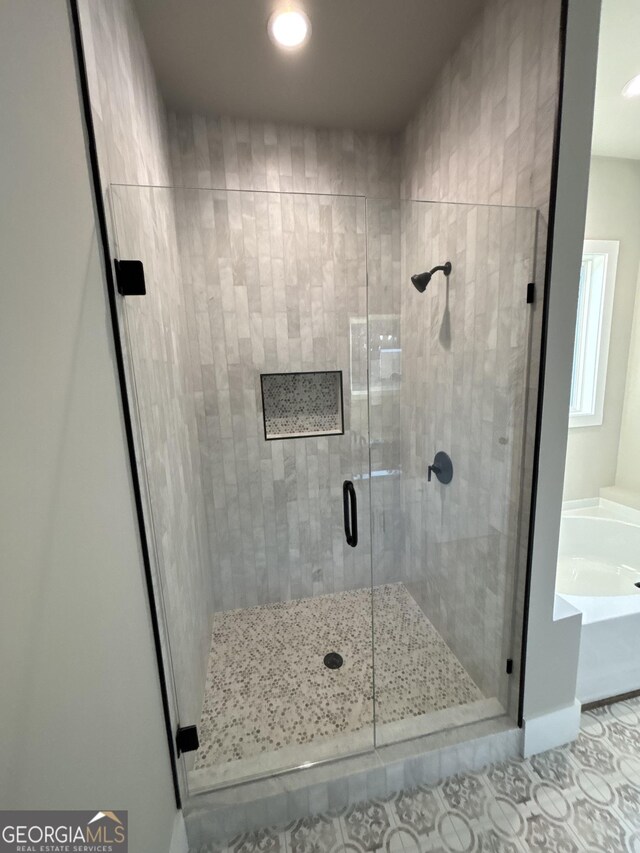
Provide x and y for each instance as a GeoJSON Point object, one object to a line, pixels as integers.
{"type": "Point", "coordinates": [483, 135]}
{"type": "Point", "coordinates": [465, 350]}
{"type": "Point", "coordinates": [275, 274]}
{"type": "Point", "coordinates": [279, 277]}
{"type": "Point", "coordinates": [133, 149]}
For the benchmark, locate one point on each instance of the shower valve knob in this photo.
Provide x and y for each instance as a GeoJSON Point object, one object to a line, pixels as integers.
{"type": "Point", "coordinates": [442, 467]}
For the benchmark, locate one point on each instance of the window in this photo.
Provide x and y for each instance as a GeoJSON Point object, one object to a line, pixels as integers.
{"type": "Point", "coordinates": [593, 327]}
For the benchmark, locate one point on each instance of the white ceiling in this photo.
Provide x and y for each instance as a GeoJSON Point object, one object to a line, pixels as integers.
{"type": "Point", "coordinates": [366, 65]}
{"type": "Point", "coordinates": [616, 128]}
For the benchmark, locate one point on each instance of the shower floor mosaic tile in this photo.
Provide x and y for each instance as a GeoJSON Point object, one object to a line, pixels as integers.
{"type": "Point", "coordinates": [582, 797]}
{"type": "Point", "coordinates": [268, 688]}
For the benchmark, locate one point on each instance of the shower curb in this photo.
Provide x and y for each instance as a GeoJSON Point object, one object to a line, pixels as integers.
{"type": "Point", "coordinates": [218, 816]}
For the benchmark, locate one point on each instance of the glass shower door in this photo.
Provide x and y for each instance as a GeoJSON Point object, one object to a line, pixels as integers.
{"type": "Point", "coordinates": [448, 404]}
{"type": "Point", "coordinates": [249, 357]}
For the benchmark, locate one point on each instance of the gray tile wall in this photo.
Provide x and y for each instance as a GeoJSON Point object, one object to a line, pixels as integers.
{"type": "Point", "coordinates": [277, 283]}
{"type": "Point", "coordinates": [132, 146]}
{"type": "Point", "coordinates": [230, 153]}
{"type": "Point", "coordinates": [275, 280]}
{"type": "Point", "coordinates": [465, 350]}
{"type": "Point", "coordinates": [484, 135]}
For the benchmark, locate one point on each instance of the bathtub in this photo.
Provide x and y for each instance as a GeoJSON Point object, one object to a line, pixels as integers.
{"type": "Point", "coordinates": [598, 569]}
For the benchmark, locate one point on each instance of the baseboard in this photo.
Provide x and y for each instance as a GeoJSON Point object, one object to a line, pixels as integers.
{"type": "Point", "coordinates": [179, 843]}
{"type": "Point", "coordinates": [551, 730]}
{"type": "Point", "coordinates": [610, 700]}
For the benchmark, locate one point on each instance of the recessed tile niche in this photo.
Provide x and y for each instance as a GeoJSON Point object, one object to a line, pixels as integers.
{"type": "Point", "coordinates": [302, 404]}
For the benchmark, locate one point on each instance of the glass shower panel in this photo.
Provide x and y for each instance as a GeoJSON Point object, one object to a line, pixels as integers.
{"type": "Point", "coordinates": [251, 381]}
{"type": "Point", "coordinates": [448, 371]}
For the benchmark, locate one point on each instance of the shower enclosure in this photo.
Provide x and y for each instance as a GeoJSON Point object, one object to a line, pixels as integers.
{"type": "Point", "coordinates": [321, 595]}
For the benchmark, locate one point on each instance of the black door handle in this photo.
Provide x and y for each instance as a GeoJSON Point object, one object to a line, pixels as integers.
{"type": "Point", "coordinates": [350, 510]}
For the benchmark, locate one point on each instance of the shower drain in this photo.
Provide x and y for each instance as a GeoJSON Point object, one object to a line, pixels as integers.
{"type": "Point", "coordinates": [333, 660]}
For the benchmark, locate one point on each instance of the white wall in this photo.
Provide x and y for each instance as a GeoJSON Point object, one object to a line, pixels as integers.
{"type": "Point", "coordinates": [628, 462]}
{"type": "Point", "coordinates": [628, 468]}
{"type": "Point", "coordinates": [553, 643]}
{"type": "Point", "coordinates": [80, 707]}
{"type": "Point", "coordinates": [613, 213]}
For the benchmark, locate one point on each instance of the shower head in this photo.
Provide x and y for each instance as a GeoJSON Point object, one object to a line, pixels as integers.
{"type": "Point", "coordinates": [421, 280]}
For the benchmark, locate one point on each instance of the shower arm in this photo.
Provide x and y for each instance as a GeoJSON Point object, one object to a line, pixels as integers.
{"type": "Point", "coordinates": [445, 268]}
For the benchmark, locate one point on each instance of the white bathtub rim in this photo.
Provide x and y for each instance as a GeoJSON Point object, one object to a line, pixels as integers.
{"type": "Point", "coordinates": [586, 516]}
{"type": "Point", "coordinates": [602, 607]}
{"type": "Point", "coordinates": [598, 608]}
{"type": "Point", "coordinates": [601, 508]}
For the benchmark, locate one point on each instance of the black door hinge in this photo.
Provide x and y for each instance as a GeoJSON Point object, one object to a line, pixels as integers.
{"type": "Point", "coordinates": [130, 278]}
{"type": "Point", "coordinates": [531, 292]}
{"type": "Point", "coordinates": [509, 666]}
{"type": "Point", "coordinates": [187, 739]}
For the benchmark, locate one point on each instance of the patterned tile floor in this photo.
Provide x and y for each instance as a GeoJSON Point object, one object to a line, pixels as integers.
{"type": "Point", "coordinates": [267, 687]}
{"type": "Point", "coordinates": [582, 797]}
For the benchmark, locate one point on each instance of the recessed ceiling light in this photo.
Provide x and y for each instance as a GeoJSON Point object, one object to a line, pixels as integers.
{"type": "Point", "coordinates": [289, 28]}
{"type": "Point", "coordinates": [632, 89]}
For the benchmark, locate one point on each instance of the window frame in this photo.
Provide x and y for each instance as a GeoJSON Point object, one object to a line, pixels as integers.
{"type": "Point", "coordinates": [596, 310]}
